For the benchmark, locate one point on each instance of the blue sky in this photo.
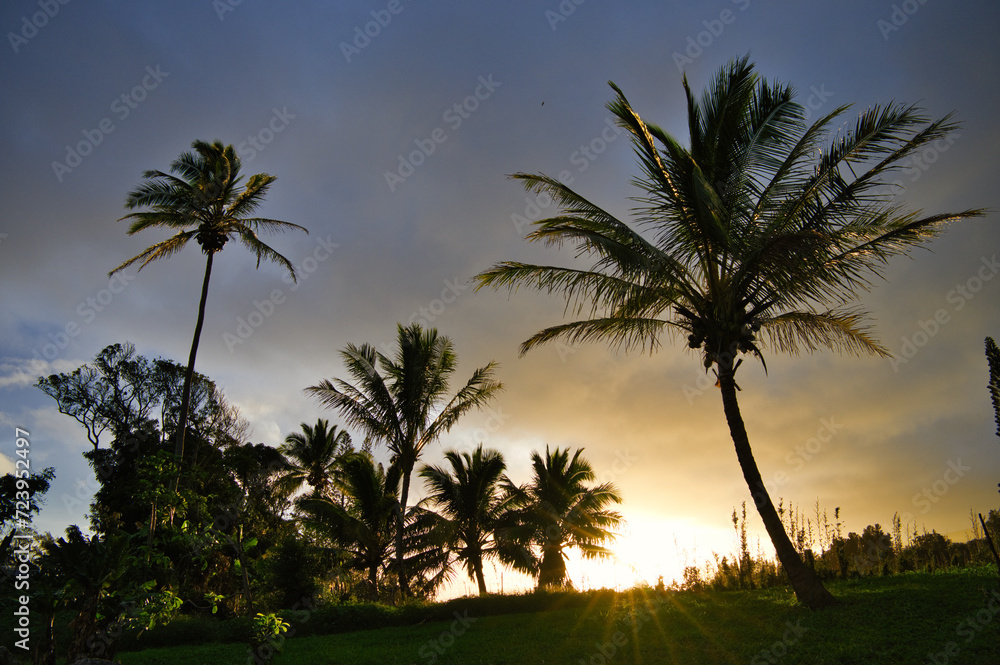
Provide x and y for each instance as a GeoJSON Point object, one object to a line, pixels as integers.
{"type": "Point", "coordinates": [391, 127]}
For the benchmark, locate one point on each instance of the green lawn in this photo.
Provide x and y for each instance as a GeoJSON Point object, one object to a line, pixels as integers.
{"type": "Point", "coordinates": [915, 618]}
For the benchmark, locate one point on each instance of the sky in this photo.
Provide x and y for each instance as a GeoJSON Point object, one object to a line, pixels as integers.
{"type": "Point", "coordinates": [391, 126]}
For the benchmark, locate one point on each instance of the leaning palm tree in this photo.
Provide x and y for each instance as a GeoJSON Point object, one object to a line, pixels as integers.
{"type": "Point", "coordinates": [558, 510]}
{"type": "Point", "coordinates": [756, 226]}
{"type": "Point", "coordinates": [470, 505]}
{"type": "Point", "coordinates": [202, 201]}
{"type": "Point", "coordinates": [312, 456]}
{"type": "Point", "coordinates": [400, 401]}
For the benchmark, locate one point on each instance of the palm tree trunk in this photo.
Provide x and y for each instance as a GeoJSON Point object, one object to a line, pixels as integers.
{"type": "Point", "coordinates": [373, 582]}
{"type": "Point", "coordinates": [552, 568]}
{"type": "Point", "coordinates": [404, 587]}
{"type": "Point", "coordinates": [247, 592]}
{"type": "Point", "coordinates": [808, 589]}
{"type": "Point", "coordinates": [477, 565]}
{"type": "Point", "coordinates": [189, 376]}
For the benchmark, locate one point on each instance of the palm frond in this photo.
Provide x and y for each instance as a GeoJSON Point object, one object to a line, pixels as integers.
{"type": "Point", "coordinates": [617, 332]}
{"type": "Point", "coordinates": [160, 250]}
{"type": "Point", "coordinates": [843, 331]}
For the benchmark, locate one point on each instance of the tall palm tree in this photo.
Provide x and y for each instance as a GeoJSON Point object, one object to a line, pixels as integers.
{"type": "Point", "coordinates": [750, 229]}
{"type": "Point", "coordinates": [401, 401]}
{"type": "Point", "coordinates": [312, 455]}
{"type": "Point", "coordinates": [558, 510]}
{"type": "Point", "coordinates": [470, 503]}
{"type": "Point", "coordinates": [202, 201]}
{"type": "Point", "coordinates": [364, 529]}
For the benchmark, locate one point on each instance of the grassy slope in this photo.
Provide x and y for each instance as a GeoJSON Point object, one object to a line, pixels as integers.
{"type": "Point", "coordinates": [899, 620]}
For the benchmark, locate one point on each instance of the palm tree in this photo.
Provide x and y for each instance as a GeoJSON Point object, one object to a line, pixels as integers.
{"type": "Point", "coordinates": [470, 504]}
{"type": "Point", "coordinates": [365, 527]}
{"type": "Point", "coordinates": [400, 401]}
{"type": "Point", "coordinates": [557, 510]}
{"type": "Point", "coordinates": [312, 455]}
{"type": "Point", "coordinates": [202, 201]}
{"type": "Point", "coordinates": [750, 229]}
{"type": "Point", "coordinates": [86, 572]}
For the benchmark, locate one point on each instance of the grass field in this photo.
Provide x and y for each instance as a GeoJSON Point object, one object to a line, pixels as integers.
{"type": "Point", "coordinates": [913, 618]}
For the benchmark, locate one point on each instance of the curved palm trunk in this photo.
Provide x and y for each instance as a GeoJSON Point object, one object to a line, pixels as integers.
{"type": "Point", "coordinates": [808, 589]}
{"type": "Point", "coordinates": [189, 376]}
{"type": "Point", "coordinates": [404, 587]}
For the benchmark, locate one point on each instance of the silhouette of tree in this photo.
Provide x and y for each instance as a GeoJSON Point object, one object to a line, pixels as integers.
{"type": "Point", "coordinates": [312, 456]}
{"type": "Point", "coordinates": [751, 228]}
{"type": "Point", "coordinates": [557, 510]}
{"type": "Point", "coordinates": [364, 529]}
{"type": "Point", "coordinates": [202, 201]}
{"type": "Point", "coordinates": [400, 402]}
{"type": "Point", "coordinates": [471, 505]}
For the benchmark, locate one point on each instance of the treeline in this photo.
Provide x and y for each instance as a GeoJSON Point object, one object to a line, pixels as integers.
{"type": "Point", "coordinates": [246, 529]}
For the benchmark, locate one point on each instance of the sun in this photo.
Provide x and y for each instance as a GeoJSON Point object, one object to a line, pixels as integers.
{"type": "Point", "coordinates": [649, 548]}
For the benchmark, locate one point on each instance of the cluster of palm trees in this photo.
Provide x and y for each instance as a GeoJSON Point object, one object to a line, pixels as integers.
{"type": "Point", "coordinates": [761, 233]}
{"type": "Point", "coordinates": [473, 512]}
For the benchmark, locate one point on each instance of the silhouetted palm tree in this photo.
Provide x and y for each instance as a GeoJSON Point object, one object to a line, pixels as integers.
{"type": "Point", "coordinates": [364, 528]}
{"type": "Point", "coordinates": [470, 503]}
{"type": "Point", "coordinates": [401, 401]}
{"type": "Point", "coordinates": [558, 510]}
{"type": "Point", "coordinates": [750, 228]}
{"type": "Point", "coordinates": [312, 456]}
{"type": "Point", "coordinates": [202, 201]}
{"type": "Point", "coordinates": [85, 570]}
